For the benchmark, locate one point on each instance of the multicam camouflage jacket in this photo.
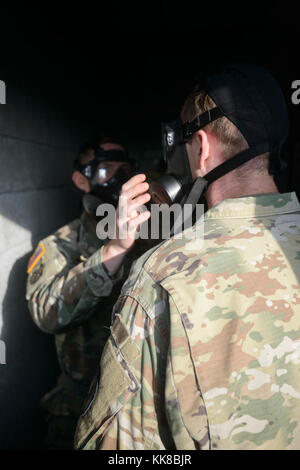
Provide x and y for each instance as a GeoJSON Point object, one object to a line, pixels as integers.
{"type": "Point", "coordinates": [204, 351]}
{"type": "Point", "coordinates": [70, 294]}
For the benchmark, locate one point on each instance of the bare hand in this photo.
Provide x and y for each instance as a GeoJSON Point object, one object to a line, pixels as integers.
{"type": "Point", "coordinates": [128, 220]}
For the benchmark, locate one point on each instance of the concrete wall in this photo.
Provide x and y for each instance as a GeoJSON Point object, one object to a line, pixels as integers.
{"type": "Point", "coordinates": [37, 147]}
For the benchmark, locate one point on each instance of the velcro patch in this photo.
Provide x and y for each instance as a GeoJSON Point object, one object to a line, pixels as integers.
{"type": "Point", "coordinates": [37, 255]}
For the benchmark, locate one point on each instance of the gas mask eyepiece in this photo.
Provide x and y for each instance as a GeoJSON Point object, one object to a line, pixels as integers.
{"type": "Point", "coordinates": [106, 177]}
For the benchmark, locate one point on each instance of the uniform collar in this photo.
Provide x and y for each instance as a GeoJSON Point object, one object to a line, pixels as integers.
{"type": "Point", "coordinates": [255, 206]}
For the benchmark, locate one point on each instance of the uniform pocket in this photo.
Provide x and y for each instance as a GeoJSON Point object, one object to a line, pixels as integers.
{"type": "Point", "coordinates": [116, 386]}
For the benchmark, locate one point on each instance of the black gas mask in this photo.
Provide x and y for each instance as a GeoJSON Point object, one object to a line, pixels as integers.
{"type": "Point", "coordinates": [249, 97]}
{"type": "Point", "coordinates": [106, 182]}
{"type": "Point", "coordinates": [176, 184]}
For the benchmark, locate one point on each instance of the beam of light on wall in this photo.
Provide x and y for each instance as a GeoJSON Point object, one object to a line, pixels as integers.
{"type": "Point", "coordinates": [2, 92]}
{"type": "Point", "coordinates": [15, 243]}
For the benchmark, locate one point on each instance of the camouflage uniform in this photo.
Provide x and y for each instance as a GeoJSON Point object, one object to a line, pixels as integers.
{"type": "Point", "coordinates": [204, 351]}
{"type": "Point", "coordinates": [70, 294]}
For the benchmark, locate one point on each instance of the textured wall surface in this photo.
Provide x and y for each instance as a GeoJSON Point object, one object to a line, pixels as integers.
{"type": "Point", "coordinates": [37, 146]}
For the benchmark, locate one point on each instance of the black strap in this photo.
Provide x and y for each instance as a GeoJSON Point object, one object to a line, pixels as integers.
{"type": "Point", "coordinates": [111, 155]}
{"type": "Point", "coordinates": [201, 183]}
{"type": "Point", "coordinates": [189, 128]}
{"type": "Point", "coordinates": [237, 161]}
{"type": "Point", "coordinates": [193, 197]}
{"type": "Point", "coordinates": [198, 188]}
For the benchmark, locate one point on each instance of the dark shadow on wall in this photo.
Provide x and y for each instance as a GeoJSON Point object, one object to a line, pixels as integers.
{"type": "Point", "coordinates": [31, 368]}
{"type": "Point", "coordinates": [30, 371]}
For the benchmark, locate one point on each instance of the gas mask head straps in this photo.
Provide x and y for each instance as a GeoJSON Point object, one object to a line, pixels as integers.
{"type": "Point", "coordinates": [251, 99]}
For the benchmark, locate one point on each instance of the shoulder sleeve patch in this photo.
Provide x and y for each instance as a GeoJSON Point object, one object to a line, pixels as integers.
{"type": "Point", "coordinates": [46, 262]}
{"type": "Point", "coordinates": [37, 255]}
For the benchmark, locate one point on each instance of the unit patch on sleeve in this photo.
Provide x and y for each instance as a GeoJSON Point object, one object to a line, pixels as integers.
{"type": "Point", "coordinates": [37, 255]}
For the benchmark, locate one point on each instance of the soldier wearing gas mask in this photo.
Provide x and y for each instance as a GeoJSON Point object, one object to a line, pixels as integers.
{"type": "Point", "coordinates": [74, 280]}
{"type": "Point", "coordinates": [205, 344]}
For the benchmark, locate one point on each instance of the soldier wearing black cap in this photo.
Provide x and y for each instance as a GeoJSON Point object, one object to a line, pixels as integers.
{"type": "Point", "coordinates": [204, 350]}
{"type": "Point", "coordinates": [74, 278]}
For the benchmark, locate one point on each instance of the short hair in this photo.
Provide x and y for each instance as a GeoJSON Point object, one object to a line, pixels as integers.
{"type": "Point", "coordinates": [231, 140]}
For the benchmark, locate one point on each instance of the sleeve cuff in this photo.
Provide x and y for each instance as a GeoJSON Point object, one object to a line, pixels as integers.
{"type": "Point", "coordinates": [97, 277]}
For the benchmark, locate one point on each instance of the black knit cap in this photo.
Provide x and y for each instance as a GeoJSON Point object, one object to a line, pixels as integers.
{"type": "Point", "coordinates": [250, 97]}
